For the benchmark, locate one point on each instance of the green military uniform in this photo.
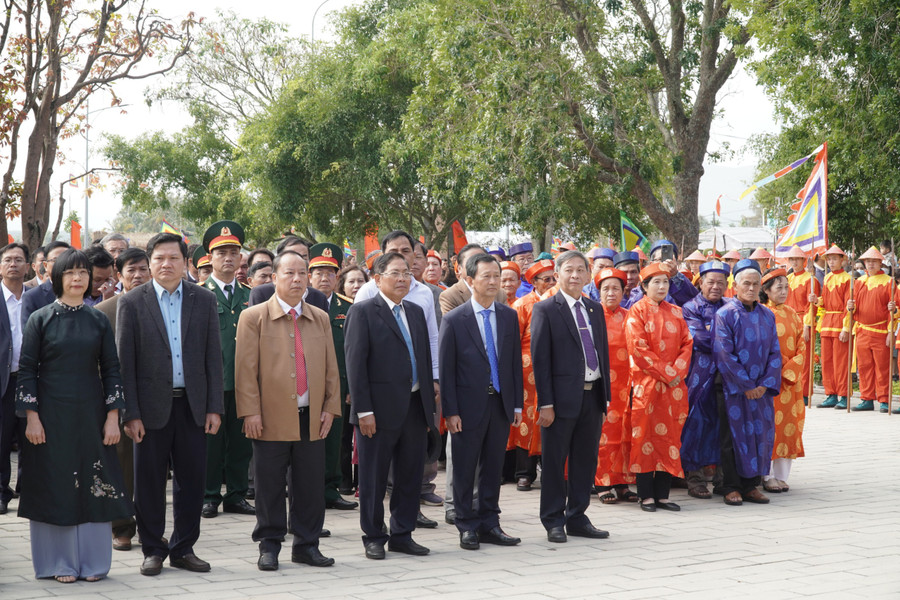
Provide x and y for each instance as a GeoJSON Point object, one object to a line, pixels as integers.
{"type": "Point", "coordinates": [327, 255]}
{"type": "Point", "coordinates": [228, 452]}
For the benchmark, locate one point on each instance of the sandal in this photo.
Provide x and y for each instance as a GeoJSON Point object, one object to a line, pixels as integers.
{"type": "Point", "coordinates": [92, 579]}
{"type": "Point", "coordinates": [608, 498]}
{"type": "Point", "coordinates": [65, 578]}
{"type": "Point", "coordinates": [628, 496]}
{"type": "Point", "coordinates": [784, 486]}
{"type": "Point", "coordinates": [773, 486]}
{"type": "Point", "coordinates": [700, 491]}
{"type": "Point", "coordinates": [733, 499]}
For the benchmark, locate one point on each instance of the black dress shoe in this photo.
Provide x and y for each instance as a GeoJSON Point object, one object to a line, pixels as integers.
{"type": "Point", "coordinates": [240, 508]}
{"type": "Point", "coordinates": [310, 555]}
{"type": "Point", "coordinates": [424, 522]}
{"type": "Point", "coordinates": [341, 504]}
{"type": "Point", "coordinates": [268, 561]}
{"type": "Point", "coordinates": [345, 491]}
{"type": "Point", "coordinates": [152, 565]}
{"type": "Point", "coordinates": [375, 551]}
{"type": "Point", "coordinates": [588, 531]}
{"type": "Point", "coordinates": [468, 540]}
{"type": "Point", "coordinates": [648, 506]}
{"type": "Point", "coordinates": [450, 516]}
{"type": "Point", "coordinates": [523, 484]}
{"type": "Point", "coordinates": [209, 511]}
{"type": "Point", "coordinates": [190, 562]}
{"type": "Point", "coordinates": [668, 506]}
{"type": "Point", "coordinates": [408, 547]}
{"type": "Point", "coordinates": [557, 535]}
{"type": "Point", "coordinates": [4, 507]}
{"type": "Point", "coordinates": [498, 536]}
{"type": "Point", "coordinates": [325, 533]}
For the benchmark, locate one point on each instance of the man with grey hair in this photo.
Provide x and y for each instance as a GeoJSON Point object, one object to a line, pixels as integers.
{"type": "Point", "coordinates": [571, 374]}
{"type": "Point", "coordinates": [748, 360]}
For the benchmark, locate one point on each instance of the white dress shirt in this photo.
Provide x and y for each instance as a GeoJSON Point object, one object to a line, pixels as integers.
{"type": "Point", "coordinates": [14, 309]}
{"type": "Point", "coordinates": [233, 283]}
{"type": "Point", "coordinates": [302, 400]}
{"type": "Point", "coordinates": [420, 295]}
{"type": "Point", "coordinates": [589, 374]}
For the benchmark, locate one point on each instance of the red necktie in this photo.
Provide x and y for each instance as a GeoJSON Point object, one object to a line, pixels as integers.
{"type": "Point", "coordinates": [299, 359]}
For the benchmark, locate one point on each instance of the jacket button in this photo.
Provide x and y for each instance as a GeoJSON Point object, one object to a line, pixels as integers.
{"type": "Point", "coordinates": [293, 396]}
{"type": "Point", "coordinates": [293, 375]}
{"type": "Point", "coordinates": [292, 355]}
{"type": "Point", "coordinates": [292, 335]}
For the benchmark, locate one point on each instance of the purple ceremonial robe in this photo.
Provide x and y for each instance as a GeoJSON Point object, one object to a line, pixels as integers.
{"type": "Point", "coordinates": [700, 437]}
{"type": "Point", "coordinates": [745, 346]}
{"type": "Point", "coordinates": [680, 292]}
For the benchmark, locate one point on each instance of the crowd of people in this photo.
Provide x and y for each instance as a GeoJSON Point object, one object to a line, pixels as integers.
{"type": "Point", "coordinates": [243, 376]}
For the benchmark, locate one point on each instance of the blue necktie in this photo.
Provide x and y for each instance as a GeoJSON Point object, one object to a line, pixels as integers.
{"type": "Point", "coordinates": [409, 345]}
{"type": "Point", "coordinates": [590, 353]}
{"type": "Point", "coordinates": [491, 351]}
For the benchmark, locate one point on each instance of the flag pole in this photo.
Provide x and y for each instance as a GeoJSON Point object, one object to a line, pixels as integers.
{"type": "Point", "coordinates": [850, 344]}
{"type": "Point", "coordinates": [891, 332]}
{"type": "Point", "coordinates": [812, 329]}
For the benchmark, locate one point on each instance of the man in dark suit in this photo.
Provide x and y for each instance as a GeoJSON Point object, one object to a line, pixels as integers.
{"type": "Point", "coordinates": [482, 394]}
{"type": "Point", "coordinates": [13, 266]}
{"type": "Point", "coordinates": [571, 373]}
{"type": "Point", "coordinates": [167, 333]}
{"type": "Point", "coordinates": [133, 267]}
{"type": "Point", "coordinates": [389, 370]}
{"type": "Point", "coordinates": [42, 295]}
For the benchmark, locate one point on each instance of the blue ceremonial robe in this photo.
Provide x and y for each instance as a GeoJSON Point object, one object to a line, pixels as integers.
{"type": "Point", "coordinates": [680, 292]}
{"type": "Point", "coordinates": [524, 289]}
{"type": "Point", "coordinates": [592, 292]}
{"type": "Point", "coordinates": [747, 355]}
{"type": "Point", "coordinates": [700, 437]}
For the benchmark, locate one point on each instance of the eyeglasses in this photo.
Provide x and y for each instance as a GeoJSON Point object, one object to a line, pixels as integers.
{"type": "Point", "coordinates": [9, 260]}
{"type": "Point", "coordinates": [546, 279]}
{"type": "Point", "coordinates": [398, 274]}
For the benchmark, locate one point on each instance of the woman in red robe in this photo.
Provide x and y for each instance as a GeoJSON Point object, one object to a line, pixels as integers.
{"type": "Point", "coordinates": [510, 280]}
{"type": "Point", "coordinates": [660, 345]}
{"type": "Point", "coordinates": [790, 413]}
{"type": "Point", "coordinates": [613, 460]}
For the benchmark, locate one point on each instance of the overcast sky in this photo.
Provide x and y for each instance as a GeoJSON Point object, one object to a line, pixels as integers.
{"type": "Point", "coordinates": [746, 111]}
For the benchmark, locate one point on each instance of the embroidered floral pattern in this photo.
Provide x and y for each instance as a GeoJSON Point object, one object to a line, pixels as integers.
{"type": "Point", "coordinates": [100, 489]}
{"type": "Point", "coordinates": [67, 308]}
{"type": "Point", "coordinates": [116, 395]}
{"type": "Point", "coordinates": [27, 398]}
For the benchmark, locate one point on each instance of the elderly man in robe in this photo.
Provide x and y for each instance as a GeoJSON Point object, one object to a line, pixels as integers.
{"type": "Point", "coordinates": [748, 359]}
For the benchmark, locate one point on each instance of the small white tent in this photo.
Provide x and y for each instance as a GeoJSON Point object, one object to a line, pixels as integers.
{"type": "Point", "coordinates": [737, 238]}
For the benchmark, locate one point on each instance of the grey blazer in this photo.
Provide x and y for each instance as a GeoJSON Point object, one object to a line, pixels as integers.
{"type": "Point", "coordinates": [146, 360]}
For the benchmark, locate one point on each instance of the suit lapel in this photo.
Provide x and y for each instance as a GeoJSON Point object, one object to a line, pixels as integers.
{"type": "Point", "coordinates": [388, 317]}
{"type": "Point", "coordinates": [566, 313]}
{"type": "Point", "coordinates": [187, 305]}
{"type": "Point", "coordinates": [472, 326]}
{"type": "Point", "coordinates": [155, 314]}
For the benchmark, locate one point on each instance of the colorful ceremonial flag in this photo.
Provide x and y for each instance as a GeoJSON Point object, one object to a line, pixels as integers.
{"type": "Point", "coordinates": [75, 235]}
{"type": "Point", "coordinates": [630, 234]}
{"type": "Point", "coordinates": [73, 181]}
{"type": "Point", "coordinates": [167, 227]}
{"type": "Point", "coordinates": [719, 205]}
{"type": "Point", "coordinates": [808, 227]}
{"type": "Point", "coordinates": [554, 246]}
{"type": "Point", "coordinates": [348, 252]}
{"type": "Point", "coordinates": [459, 236]}
{"type": "Point", "coordinates": [782, 172]}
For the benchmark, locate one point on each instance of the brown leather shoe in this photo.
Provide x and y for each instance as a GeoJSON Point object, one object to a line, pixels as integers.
{"type": "Point", "coordinates": [123, 542]}
{"type": "Point", "coordinates": [756, 497]}
{"type": "Point", "coordinates": [523, 484]}
{"type": "Point", "coordinates": [152, 565]}
{"type": "Point", "coordinates": [190, 562]}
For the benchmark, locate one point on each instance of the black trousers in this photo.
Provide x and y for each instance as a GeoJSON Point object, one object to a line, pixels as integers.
{"type": "Point", "coordinates": [403, 445]}
{"type": "Point", "coordinates": [348, 480]}
{"type": "Point", "coordinates": [184, 442]}
{"type": "Point", "coordinates": [11, 427]}
{"type": "Point", "coordinates": [228, 455]}
{"type": "Point", "coordinates": [526, 465]}
{"type": "Point", "coordinates": [481, 444]}
{"type": "Point", "coordinates": [576, 439]}
{"type": "Point", "coordinates": [731, 481]}
{"type": "Point", "coordinates": [125, 451]}
{"type": "Point", "coordinates": [306, 490]}
{"type": "Point", "coordinates": [654, 484]}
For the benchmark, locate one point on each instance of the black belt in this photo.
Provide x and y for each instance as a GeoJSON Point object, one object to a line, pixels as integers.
{"type": "Point", "coordinates": [179, 393]}
{"type": "Point", "coordinates": [302, 409]}
{"type": "Point", "coordinates": [492, 391]}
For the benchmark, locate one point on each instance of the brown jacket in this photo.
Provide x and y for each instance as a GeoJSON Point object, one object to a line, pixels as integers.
{"type": "Point", "coordinates": [458, 294]}
{"type": "Point", "coordinates": [265, 370]}
{"type": "Point", "coordinates": [108, 308]}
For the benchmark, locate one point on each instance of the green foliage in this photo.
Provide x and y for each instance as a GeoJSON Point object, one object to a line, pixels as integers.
{"type": "Point", "coordinates": [832, 72]}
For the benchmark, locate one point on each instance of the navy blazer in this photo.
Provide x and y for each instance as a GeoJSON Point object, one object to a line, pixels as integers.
{"type": "Point", "coordinates": [378, 366]}
{"type": "Point", "coordinates": [6, 347]}
{"type": "Point", "coordinates": [464, 367]}
{"type": "Point", "coordinates": [558, 357]}
{"type": "Point", "coordinates": [36, 298]}
{"type": "Point", "coordinates": [146, 358]}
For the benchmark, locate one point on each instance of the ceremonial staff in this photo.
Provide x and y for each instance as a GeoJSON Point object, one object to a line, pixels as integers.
{"type": "Point", "coordinates": [812, 329]}
{"type": "Point", "coordinates": [891, 331]}
{"type": "Point", "coordinates": [850, 345]}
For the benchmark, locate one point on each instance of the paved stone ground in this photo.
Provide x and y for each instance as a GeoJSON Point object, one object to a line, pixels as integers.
{"type": "Point", "coordinates": [834, 535]}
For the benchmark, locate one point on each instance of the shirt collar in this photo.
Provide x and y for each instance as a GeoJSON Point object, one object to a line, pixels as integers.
{"type": "Point", "coordinates": [569, 299]}
{"type": "Point", "coordinates": [8, 294]}
{"type": "Point", "coordinates": [478, 308]}
{"type": "Point", "coordinates": [287, 307]}
{"type": "Point", "coordinates": [222, 284]}
{"type": "Point", "coordinates": [160, 289]}
{"type": "Point", "coordinates": [391, 304]}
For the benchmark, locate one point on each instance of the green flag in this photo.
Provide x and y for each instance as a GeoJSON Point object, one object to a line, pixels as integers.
{"type": "Point", "coordinates": [631, 235]}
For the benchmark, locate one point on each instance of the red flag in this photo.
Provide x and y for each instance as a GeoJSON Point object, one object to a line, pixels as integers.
{"type": "Point", "coordinates": [75, 242]}
{"type": "Point", "coordinates": [459, 236]}
{"type": "Point", "coordinates": [719, 205]}
{"type": "Point", "coordinates": [9, 238]}
{"type": "Point", "coordinates": [372, 240]}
